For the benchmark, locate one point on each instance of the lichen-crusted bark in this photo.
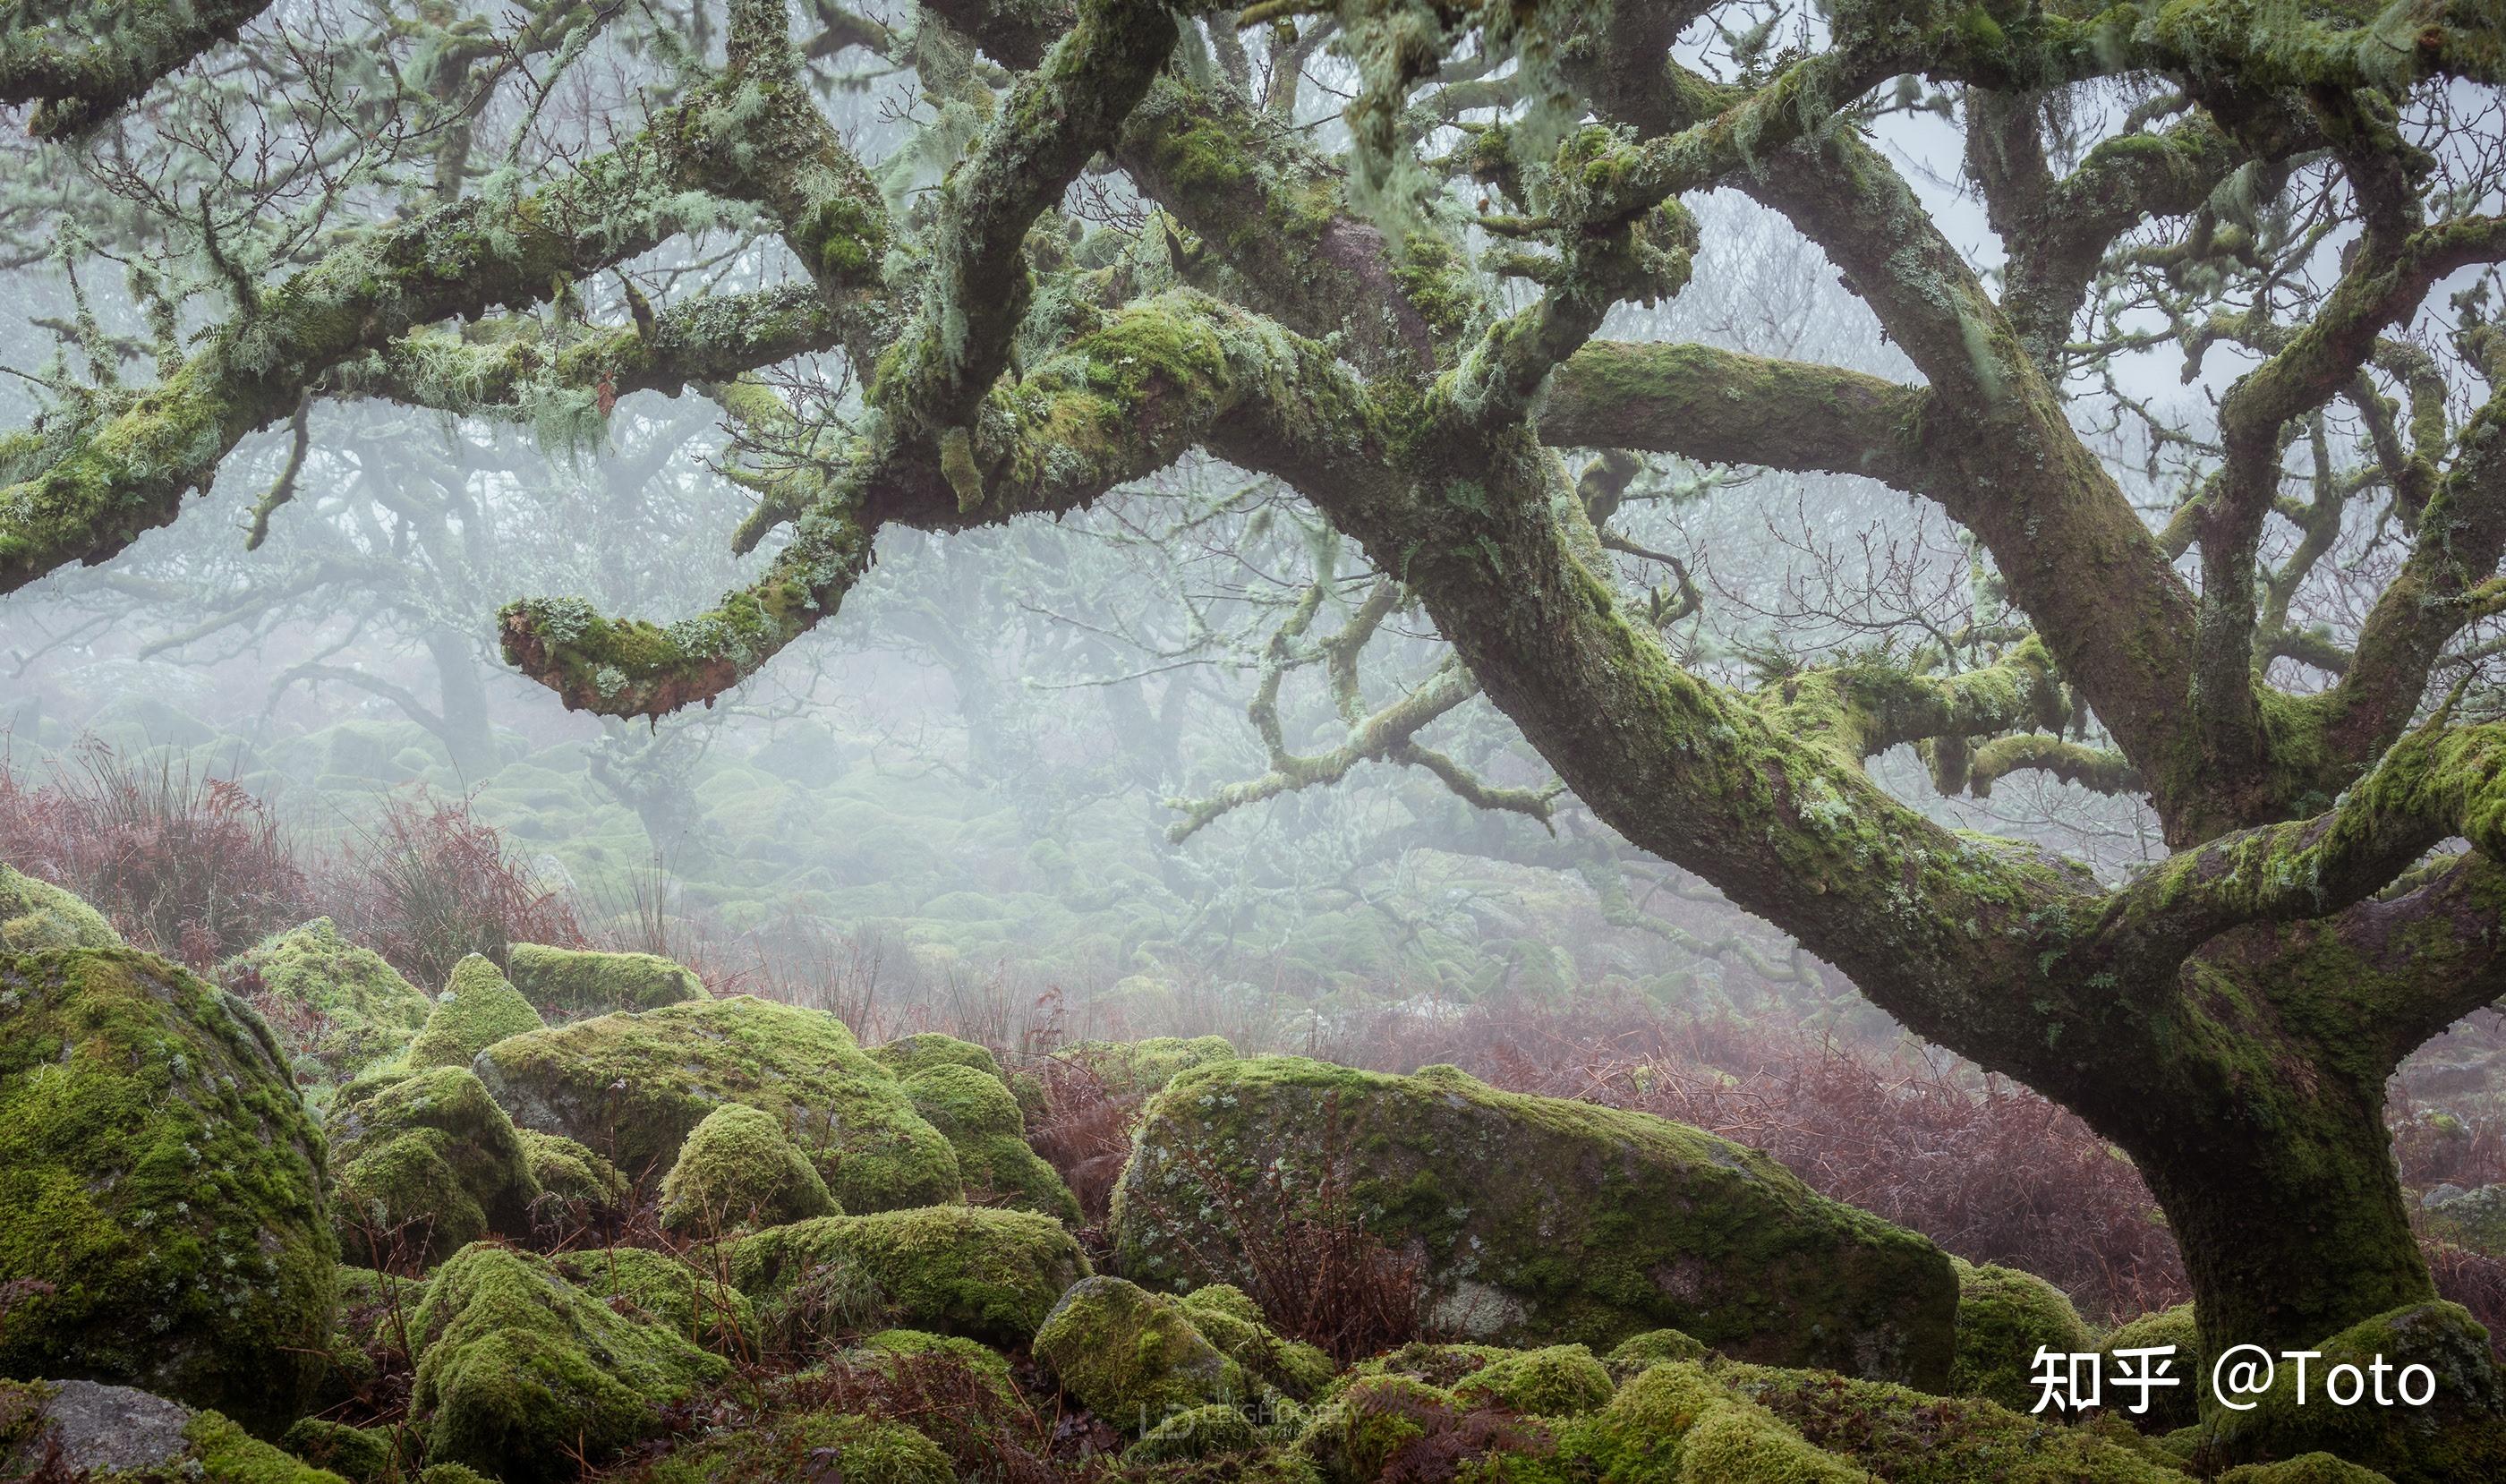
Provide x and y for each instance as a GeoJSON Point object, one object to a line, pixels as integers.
{"type": "Point", "coordinates": [160, 1177]}
{"type": "Point", "coordinates": [1540, 1218]}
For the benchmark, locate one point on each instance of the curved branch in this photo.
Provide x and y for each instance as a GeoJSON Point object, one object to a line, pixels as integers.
{"type": "Point", "coordinates": [120, 51]}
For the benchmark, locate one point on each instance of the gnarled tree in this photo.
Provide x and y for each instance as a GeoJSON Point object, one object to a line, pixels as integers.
{"type": "Point", "coordinates": [1409, 329]}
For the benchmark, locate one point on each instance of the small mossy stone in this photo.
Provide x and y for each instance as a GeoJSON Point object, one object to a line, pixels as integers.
{"type": "Point", "coordinates": [161, 1177]}
{"type": "Point", "coordinates": [35, 915]}
{"type": "Point", "coordinates": [578, 982]}
{"type": "Point", "coordinates": [2461, 1434]}
{"type": "Point", "coordinates": [1651, 1348]}
{"type": "Point", "coordinates": [451, 1473]}
{"type": "Point", "coordinates": [1131, 1356]}
{"type": "Point", "coordinates": [2171, 1406]}
{"type": "Point", "coordinates": [2311, 1469]}
{"type": "Point", "coordinates": [355, 1009]}
{"type": "Point", "coordinates": [2004, 1316]}
{"type": "Point", "coordinates": [815, 1446]}
{"type": "Point", "coordinates": [427, 1165]}
{"type": "Point", "coordinates": [476, 1009]}
{"type": "Point", "coordinates": [959, 1099]}
{"type": "Point", "coordinates": [1216, 1431]}
{"type": "Point", "coordinates": [693, 1302]}
{"type": "Point", "coordinates": [635, 1086]}
{"type": "Point", "coordinates": [1554, 1381]}
{"type": "Point", "coordinates": [578, 1188]}
{"type": "Point", "coordinates": [359, 1454]}
{"type": "Point", "coordinates": [1520, 1244]}
{"type": "Point", "coordinates": [519, 1372]}
{"type": "Point", "coordinates": [985, 1274]}
{"type": "Point", "coordinates": [911, 1054]}
{"type": "Point", "coordinates": [740, 1171]}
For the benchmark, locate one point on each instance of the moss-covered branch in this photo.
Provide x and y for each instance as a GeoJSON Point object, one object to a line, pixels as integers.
{"type": "Point", "coordinates": [82, 61]}
{"type": "Point", "coordinates": [1719, 405]}
{"type": "Point", "coordinates": [80, 490]}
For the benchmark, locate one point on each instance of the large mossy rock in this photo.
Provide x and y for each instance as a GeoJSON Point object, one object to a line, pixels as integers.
{"type": "Point", "coordinates": [519, 1372]}
{"type": "Point", "coordinates": [2170, 1406]}
{"type": "Point", "coordinates": [822, 1445]}
{"type": "Point", "coordinates": [357, 1010]}
{"type": "Point", "coordinates": [578, 1190]}
{"type": "Point", "coordinates": [920, 1052]}
{"type": "Point", "coordinates": [160, 1175]}
{"type": "Point", "coordinates": [2461, 1434]}
{"type": "Point", "coordinates": [1538, 1220]}
{"type": "Point", "coordinates": [577, 982]}
{"type": "Point", "coordinates": [739, 1170]}
{"type": "Point", "coordinates": [427, 1165]}
{"type": "Point", "coordinates": [634, 1087]}
{"type": "Point", "coordinates": [985, 1274]}
{"type": "Point", "coordinates": [1897, 1433]}
{"type": "Point", "coordinates": [60, 1431]}
{"type": "Point", "coordinates": [35, 915]}
{"type": "Point", "coordinates": [979, 1115]}
{"type": "Point", "coordinates": [478, 1008]}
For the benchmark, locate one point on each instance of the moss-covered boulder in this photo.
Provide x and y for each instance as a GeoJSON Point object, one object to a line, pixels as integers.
{"type": "Point", "coordinates": [988, 1274]}
{"type": "Point", "coordinates": [1137, 1067]}
{"type": "Point", "coordinates": [1131, 1356]}
{"type": "Point", "coordinates": [578, 1190]}
{"type": "Point", "coordinates": [891, 1349]}
{"type": "Point", "coordinates": [634, 1087]}
{"type": "Point", "coordinates": [824, 1445]}
{"type": "Point", "coordinates": [738, 1170]}
{"type": "Point", "coordinates": [478, 1008]}
{"type": "Point", "coordinates": [572, 983]}
{"type": "Point", "coordinates": [1375, 1425]}
{"type": "Point", "coordinates": [112, 1434]}
{"type": "Point", "coordinates": [976, 1113]}
{"type": "Point", "coordinates": [426, 1165]}
{"type": "Point", "coordinates": [348, 1009]}
{"type": "Point", "coordinates": [2003, 1316]}
{"type": "Point", "coordinates": [1552, 1380]}
{"type": "Point", "coordinates": [35, 915]}
{"type": "Point", "coordinates": [2458, 1434]}
{"type": "Point", "coordinates": [661, 1287]}
{"type": "Point", "coordinates": [161, 1179]}
{"type": "Point", "coordinates": [518, 1372]}
{"type": "Point", "coordinates": [1228, 1318]}
{"type": "Point", "coordinates": [910, 1054]}
{"type": "Point", "coordinates": [2170, 1406]}
{"type": "Point", "coordinates": [1538, 1220]}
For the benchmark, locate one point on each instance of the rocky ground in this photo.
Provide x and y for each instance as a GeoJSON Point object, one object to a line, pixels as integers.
{"type": "Point", "coordinates": [571, 1214]}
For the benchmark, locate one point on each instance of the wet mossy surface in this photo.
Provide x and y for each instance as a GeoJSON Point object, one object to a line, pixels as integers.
{"type": "Point", "coordinates": [573, 983]}
{"type": "Point", "coordinates": [478, 1008]}
{"type": "Point", "coordinates": [35, 915]}
{"type": "Point", "coordinates": [519, 1372]}
{"type": "Point", "coordinates": [2004, 1316]}
{"type": "Point", "coordinates": [738, 1170]}
{"type": "Point", "coordinates": [633, 1087]}
{"type": "Point", "coordinates": [161, 1177]}
{"type": "Point", "coordinates": [426, 1165]}
{"type": "Point", "coordinates": [985, 1274]}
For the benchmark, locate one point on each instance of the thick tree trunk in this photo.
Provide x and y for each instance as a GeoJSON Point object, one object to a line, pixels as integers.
{"type": "Point", "coordinates": [2282, 1194]}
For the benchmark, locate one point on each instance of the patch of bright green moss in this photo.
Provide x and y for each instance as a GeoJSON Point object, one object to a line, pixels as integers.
{"type": "Point", "coordinates": [476, 1009]}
